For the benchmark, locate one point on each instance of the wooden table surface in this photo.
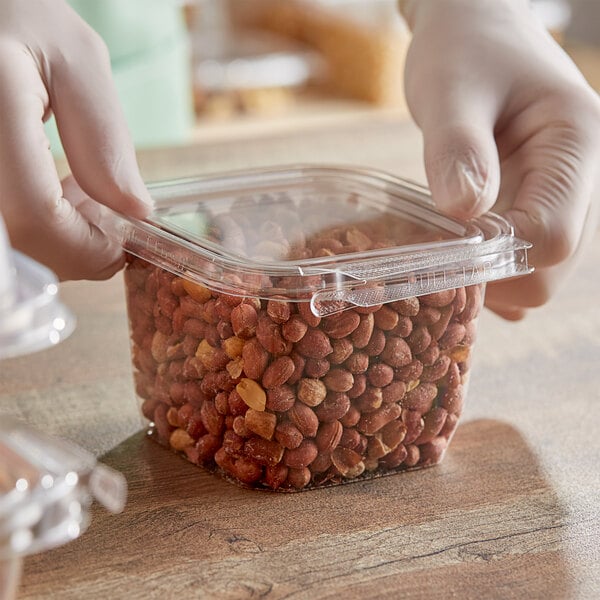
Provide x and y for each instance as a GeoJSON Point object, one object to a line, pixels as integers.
{"type": "Point", "coordinates": [512, 512]}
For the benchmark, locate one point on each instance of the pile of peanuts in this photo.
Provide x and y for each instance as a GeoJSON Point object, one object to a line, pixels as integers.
{"type": "Point", "coordinates": [271, 396]}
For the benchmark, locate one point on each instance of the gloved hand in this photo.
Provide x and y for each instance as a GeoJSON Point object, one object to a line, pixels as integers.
{"type": "Point", "coordinates": [508, 122]}
{"type": "Point", "coordinates": [51, 61]}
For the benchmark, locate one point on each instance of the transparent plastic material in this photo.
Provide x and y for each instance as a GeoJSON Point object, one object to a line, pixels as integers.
{"type": "Point", "coordinates": [31, 314]}
{"type": "Point", "coordinates": [298, 327]}
{"type": "Point", "coordinates": [46, 484]}
{"type": "Point", "coordinates": [235, 60]}
{"type": "Point", "coordinates": [46, 488]}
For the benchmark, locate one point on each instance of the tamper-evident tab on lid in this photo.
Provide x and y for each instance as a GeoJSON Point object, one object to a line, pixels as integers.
{"type": "Point", "coordinates": [333, 236]}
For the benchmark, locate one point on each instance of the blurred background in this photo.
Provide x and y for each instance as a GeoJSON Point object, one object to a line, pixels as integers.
{"type": "Point", "coordinates": [216, 69]}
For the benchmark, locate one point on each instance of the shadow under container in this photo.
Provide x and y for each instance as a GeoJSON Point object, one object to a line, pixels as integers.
{"type": "Point", "coordinates": [299, 327]}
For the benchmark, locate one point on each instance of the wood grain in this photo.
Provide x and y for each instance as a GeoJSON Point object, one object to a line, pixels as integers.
{"type": "Point", "coordinates": [188, 532]}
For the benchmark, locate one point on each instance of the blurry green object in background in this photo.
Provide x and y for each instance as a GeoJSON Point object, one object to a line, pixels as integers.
{"type": "Point", "coordinates": [132, 27]}
{"type": "Point", "coordinates": [150, 58]}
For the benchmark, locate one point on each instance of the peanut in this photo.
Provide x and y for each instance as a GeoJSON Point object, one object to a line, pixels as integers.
{"type": "Point", "coordinates": [311, 391]}
{"type": "Point", "coordinates": [261, 422]}
{"type": "Point", "coordinates": [196, 291]}
{"type": "Point", "coordinates": [421, 398]}
{"type": "Point", "coordinates": [328, 436]}
{"type": "Point", "coordinates": [263, 451]}
{"type": "Point", "coordinates": [338, 380]}
{"type": "Point", "coordinates": [397, 352]}
{"type": "Point", "coordinates": [298, 478]}
{"type": "Point", "coordinates": [180, 439]}
{"type": "Point", "coordinates": [316, 367]}
{"type": "Point", "coordinates": [376, 344]}
{"type": "Point", "coordinates": [302, 456]}
{"type": "Point", "coordinates": [334, 407]}
{"type": "Point", "coordinates": [294, 328]}
{"type": "Point", "coordinates": [278, 372]}
{"type": "Point", "coordinates": [304, 418]}
{"type": "Point", "coordinates": [288, 435]}
{"type": "Point", "coordinates": [345, 460]}
{"type": "Point", "coordinates": [372, 422]}
{"type": "Point", "coordinates": [280, 398]}
{"type": "Point", "coordinates": [252, 394]}
{"type": "Point", "coordinates": [314, 344]}
{"type": "Point", "coordinates": [278, 310]}
{"type": "Point", "coordinates": [244, 320]}
{"type": "Point", "coordinates": [362, 334]}
{"type": "Point", "coordinates": [255, 359]}
{"type": "Point", "coordinates": [341, 325]}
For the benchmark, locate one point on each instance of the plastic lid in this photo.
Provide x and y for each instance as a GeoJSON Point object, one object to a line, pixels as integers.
{"type": "Point", "coordinates": [46, 487]}
{"type": "Point", "coordinates": [31, 314]}
{"type": "Point", "coordinates": [333, 236]}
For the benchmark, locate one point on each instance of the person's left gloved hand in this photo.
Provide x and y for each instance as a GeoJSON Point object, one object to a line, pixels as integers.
{"type": "Point", "coordinates": [52, 61]}
{"type": "Point", "coordinates": [508, 123]}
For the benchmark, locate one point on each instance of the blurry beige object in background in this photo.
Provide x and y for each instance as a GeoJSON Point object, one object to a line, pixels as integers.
{"type": "Point", "coordinates": [364, 44]}
{"type": "Point", "coordinates": [243, 68]}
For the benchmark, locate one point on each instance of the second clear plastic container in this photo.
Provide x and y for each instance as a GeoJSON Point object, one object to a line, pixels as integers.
{"type": "Point", "coordinates": [46, 488]}
{"type": "Point", "coordinates": [300, 327]}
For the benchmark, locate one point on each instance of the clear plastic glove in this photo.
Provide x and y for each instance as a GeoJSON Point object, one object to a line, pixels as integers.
{"type": "Point", "coordinates": [508, 122]}
{"type": "Point", "coordinates": [52, 61]}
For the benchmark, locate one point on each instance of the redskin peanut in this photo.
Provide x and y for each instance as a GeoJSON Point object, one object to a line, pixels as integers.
{"type": "Point", "coordinates": [334, 407]}
{"type": "Point", "coordinates": [345, 460]}
{"type": "Point", "coordinates": [377, 343]}
{"type": "Point", "coordinates": [372, 422]}
{"type": "Point", "coordinates": [341, 350]}
{"type": "Point", "coordinates": [341, 325]}
{"type": "Point", "coordinates": [294, 328]}
{"type": "Point", "coordinates": [386, 318]}
{"type": "Point", "coordinates": [328, 436]}
{"type": "Point", "coordinates": [298, 478]}
{"type": "Point", "coordinates": [314, 344]}
{"type": "Point", "coordinates": [263, 451]}
{"type": "Point", "coordinates": [362, 334]}
{"type": "Point", "coordinates": [311, 391]}
{"type": "Point", "coordinates": [396, 353]}
{"type": "Point", "coordinates": [255, 359]}
{"type": "Point", "coordinates": [304, 418]}
{"type": "Point", "coordinates": [280, 398]}
{"type": "Point", "coordinates": [278, 372]}
{"type": "Point", "coordinates": [370, 400]}
{"type": "Point", "coordinates": [338, 380]}
{"type": "Point", "coordinates": [301, 456]}
{"type": "Point", "coordinates": [316, 367]}
{"type": "Point", "coordinates": [288, 435]}
{"type": "Point", "coordinates": [421, 397]}
{"type": "Point", "coordinates": [279, 311]}
{"type": "Point", "coordinates": [359, 386]}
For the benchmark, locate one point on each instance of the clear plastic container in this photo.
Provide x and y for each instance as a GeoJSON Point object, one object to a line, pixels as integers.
{"type": "Point", "coordinates": [32, 317]}
{"type": "Point", "coordinates": [46, 488]}
{"type": "Point", "coordinates": [46, 484]}
{"type": "Point", "coordinates": [299, 327]}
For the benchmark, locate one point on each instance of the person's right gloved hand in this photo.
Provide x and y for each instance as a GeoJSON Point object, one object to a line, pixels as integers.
{"type": "Point", "coordinates": [51, 61]}
{"type": "Point", "coordinates": [508, 123]}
